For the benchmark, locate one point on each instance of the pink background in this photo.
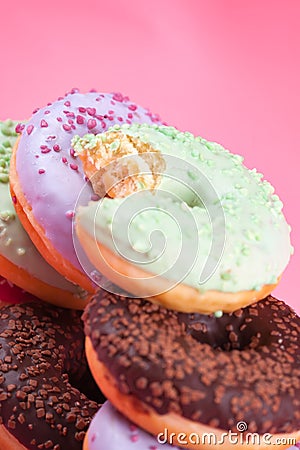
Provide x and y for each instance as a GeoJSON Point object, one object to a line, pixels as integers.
{"type": "Point", "coordinates": [228, 70]}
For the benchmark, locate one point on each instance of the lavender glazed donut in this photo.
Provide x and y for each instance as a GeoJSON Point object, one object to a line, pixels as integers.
{"type": "Point", "coordinates": [20, 262]}
{"type": "Point", "coordinates": [109, 429]}
{"type": "Point", "coordinates": [47, 177]}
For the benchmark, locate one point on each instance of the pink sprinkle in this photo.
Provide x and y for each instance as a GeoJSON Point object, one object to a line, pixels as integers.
{"type": "Point", "coordinates": [49, 104]}
{"type": "Point", "coordinates": [80, 119]}
{"type": "Point", "coordinates": [56, 148]}
{"type": "Point", "coordinates": [72, 152]}
{"type": "Point", "coordinates": [59, 119]}
{"type": "Point", "coordinates": [134, 438]}
{"type": "Point", "coordinates": [74, 90]}
{"type": "Point", "coordinates": [74, 166]}
{"type": "Point", "coordinates": [91, 111]}
{"type": "Point", "coordinates": [29, 129]}
{"type": "Point", "coordinates": [110, 118]}
{"type": "Point", "coordinates": [66, 127]}
{"type": "Point", "coordinates": [130, 115]}
{"type": "Point", "coordinates": [82, 109]}
{"type": "Point", "coordinates": [91, 123]}
{"type": "Point", "coordinates": [50, 138]}
{"type": "Point", "coordinates": [153, 447]}
{"type": "Point", "coordinates": [93, 90]}
{"type": "Point", "coordinates": [111, 111]}
{"type": "Point", "coordinates": [70, 121]}
{"type": "Point", "coordinates": [132, 107]}
{"type": "Point", "coordinates": [70, 214]}
{"type": "Point", "coordinates": [93, 438]}
{"type": "Point", "coordinates": [67, 103]}
{"type": "Point", "coordinates": [103, 124]}
{"type": "Point", "coordinates": [20, 127]}
{"type": "Point", "coordinates": [47, 111]}
{"type": "Point", "coordinates": [14, 199]}
{"type": "Point", "coordinates": [42, 171]}
{"type": "Point", "coordinates": [133, 427]}
{"type": "Point", "coordinates": [46, 150]}
{"type": "Point", "coordinates": [60, 98]}
{"type": "Point", "coordinates": [99, 117]}
{"type": "Point", "coordinates": [35, 110]}
{"type": "Point", "coordinates": [112, 102]}
{"type": "Point", "coordinates": [120, 119]}
{"type": "Point", "coordinates": [64, 160]}
{"type": "Point", "coordinates": [44, 124]}
{"type": "Point", "coordinates": [118, 97]}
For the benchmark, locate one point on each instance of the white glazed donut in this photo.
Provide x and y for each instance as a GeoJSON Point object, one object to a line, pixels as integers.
{"type": "Point", "coordinates": [226, 239]}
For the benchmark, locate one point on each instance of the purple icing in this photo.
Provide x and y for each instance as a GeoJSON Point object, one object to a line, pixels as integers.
{"type": "Point", "coordinates": [50, 176]}
{"type": "Point", "coordinates": [111, 430]}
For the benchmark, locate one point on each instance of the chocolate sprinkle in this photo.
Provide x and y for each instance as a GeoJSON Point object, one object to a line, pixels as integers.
{"type": "Point", "coordinates": [242, 366]}
{"type": "Point", "coordinates": [42, 359]}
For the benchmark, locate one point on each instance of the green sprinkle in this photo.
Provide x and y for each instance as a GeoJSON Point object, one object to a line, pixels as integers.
{"type": "Point", "coordinates": [7, 216]}
{"type": "Point", "coordinates": [7, 144]}
{"type": "Point", "coordinates": [195, 152]}
{"type": "Point", "coordinates": [115, 145]}
{"type": "Point", "coordinates": [210, 163]}
{"type": "Point", "coordinates": [192, 174]}
{"type": "Point", "coordinates": [6, 131]}
{"type": "Point", "coordinates": [4, 178]}
{"type": "Point", "coordinates": [169, 131]}
{"type": "Point", "coordinates": [218, 314]}
{"type": "Point", "coordinates": [225, 276]}
{"type": "Point", "coordinates": [245, 251]}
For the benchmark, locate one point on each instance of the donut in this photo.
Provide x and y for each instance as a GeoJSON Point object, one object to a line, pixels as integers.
{"type": "Point", "coordinates": [111, 430]}
{"type": "Point", "coordinates": [20, 262]}
{"type": "Point", "coordinates": [206, 234]}
{"type": "Point", "coordinates": [44, 155]}
{"type": "Point", "coordinates": [172, 372]}
{"type": "Point", "coordinates": [43, 372]}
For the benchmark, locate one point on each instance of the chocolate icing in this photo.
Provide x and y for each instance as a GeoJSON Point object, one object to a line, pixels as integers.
{"type": "Point", "coordinates": [42, 359]}
{"type": "Point", "coordinates": [244, 366]}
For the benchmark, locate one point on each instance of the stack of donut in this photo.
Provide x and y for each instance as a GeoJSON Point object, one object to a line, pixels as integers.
{"type": "Point", "coordinates": [172, 248]}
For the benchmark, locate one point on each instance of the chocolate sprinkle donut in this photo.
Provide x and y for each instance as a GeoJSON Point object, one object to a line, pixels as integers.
{"type": "Point", "coordinates": [244, 366]}
{"type": "Point", "coordinates": [42, 359]}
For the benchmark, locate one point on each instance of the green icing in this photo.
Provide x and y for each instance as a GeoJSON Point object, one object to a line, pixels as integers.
{"type": "Point", "coordinates": [256, 247]}
{"type": "Point", "coordinates": [7, 140]}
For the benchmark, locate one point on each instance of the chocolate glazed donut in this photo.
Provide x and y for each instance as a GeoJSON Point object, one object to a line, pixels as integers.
{"type": "Point", "coordinates": [41, 360]}
{"type": "Point", "coordinates": [244, 366]}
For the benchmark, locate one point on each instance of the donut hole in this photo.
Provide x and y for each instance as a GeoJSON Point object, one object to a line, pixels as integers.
{"type": "Point", "coordinates": [117, 164]}
{"type": "Point", "coordinates": [233, 331]}
{"type": "Point", "coordinates": [87, 385]}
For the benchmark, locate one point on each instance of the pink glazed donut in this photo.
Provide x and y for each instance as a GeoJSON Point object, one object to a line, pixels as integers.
{"type": "Point", "coordinates": [46, 176]}
{"type": "Point", "coordinates": [110, 430]}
